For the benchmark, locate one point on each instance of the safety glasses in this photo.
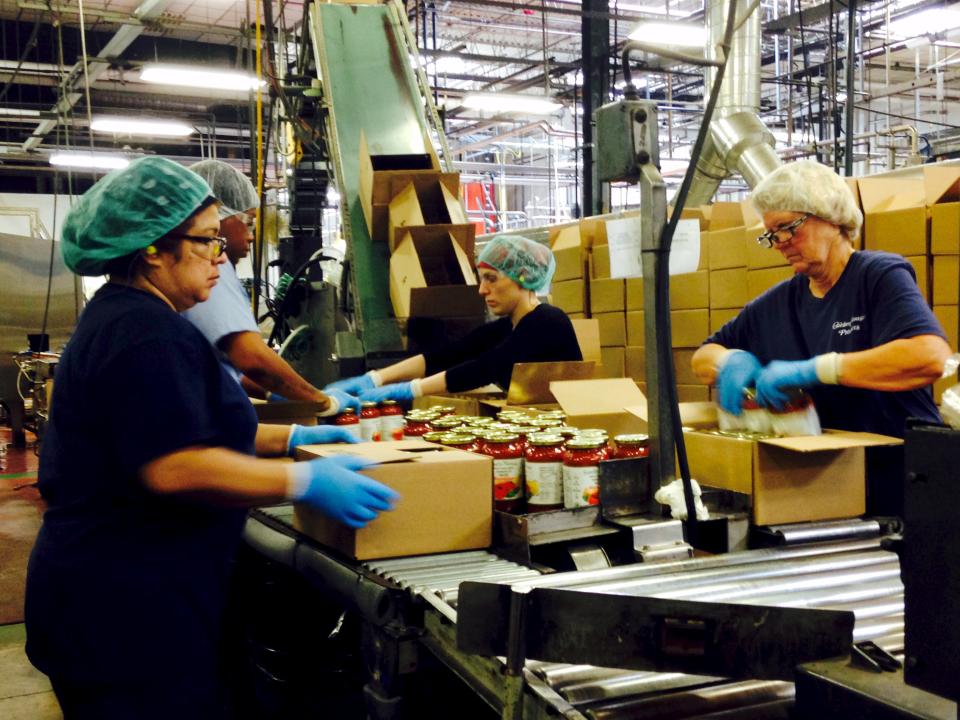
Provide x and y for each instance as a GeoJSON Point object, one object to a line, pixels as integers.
{"type": "Point", "coordinates": [215, 245]}
{"type": "Point", "coordinates": [783, 234]}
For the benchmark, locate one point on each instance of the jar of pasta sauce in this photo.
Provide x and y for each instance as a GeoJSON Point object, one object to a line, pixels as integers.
{"type": "Point", "coordinates": [460, 441]}
{"type": "Point", "coordinates": [348, 420]}
{"type": "Point", "coordinates": [434, 436]}
{"type": "Point", "coordinates": [446, 423]}
{"type": "Point", "coordinates": [581, 470]}
{"type": "Point", "coordinates": [507, 454]}
{"type": "Point", "coordinates": [415, 426]}
{"type": "Point", "coordinates": [631, 446]}
{"type": "Point", "coordinates": [543, 472]}
{"type": "Point", "coordinates": [369, 422]}
{"type": "Point", "coordinates": [391, 420]}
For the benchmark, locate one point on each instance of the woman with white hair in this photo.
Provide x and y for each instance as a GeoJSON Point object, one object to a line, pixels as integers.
{"type": "Point", "coordinates": [851, 327]}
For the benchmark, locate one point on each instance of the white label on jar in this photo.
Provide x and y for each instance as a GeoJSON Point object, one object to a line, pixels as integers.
{"type": "Point", "coordinates": [544, 482]}
{"type": "Point", "coordinates": [581, 486]}
{"type": "Point", "coordinates": [506, 478]}
{"type": "Point", "coordinates": [391, 427]}
{"type": "Point", "coordinates": [370, 429]}
{"type": "Point", "coordinates": [353, 429]}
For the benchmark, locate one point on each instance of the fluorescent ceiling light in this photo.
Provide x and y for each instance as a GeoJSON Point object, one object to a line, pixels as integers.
{"type": "Point", "coordinates": [199, 77]}
{"type": "Point", "coordinates": [445, 64]}
{"type": "Point", "coordinates": [930, 21]}
{"type": "Point", "coordinates": [139, 126]}
{"type": "Point", "coordinates": [638, 82]}
{"type": "Point", "coordinates": [653, 10]}
{"type": "Point", "coordinates": [506, 102]}
{"type": "Point", "coordinates": [670, 34]}
{"type": "Point", "coordinates": [101, 161]}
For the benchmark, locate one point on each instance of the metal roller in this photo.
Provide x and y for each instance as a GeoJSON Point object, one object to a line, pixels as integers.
{"type": "Point", "coordinates": [826, 531]}
{"type": "Point", "coordinates": [636, 683]}
{"type": "Point", "coordinates": [405, 563]}
{"type": "Point", "coordinates": [558, 675]}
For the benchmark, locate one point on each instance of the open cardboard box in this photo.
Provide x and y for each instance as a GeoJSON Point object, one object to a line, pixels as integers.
{"type": "Point", "coordinates": [426, 202]}
{"type": "Point", "coordinates": [446, 501]}
{"type": "Point", "coordinates": [431, 275]}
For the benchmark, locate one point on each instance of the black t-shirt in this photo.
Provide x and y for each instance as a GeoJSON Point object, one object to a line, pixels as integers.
{"type": "Point", "coordinates": [487, 355]}
{"type": "Point", "coordinates": [875, 301]}
{"type": "Point", "coordinates": [126, 586]}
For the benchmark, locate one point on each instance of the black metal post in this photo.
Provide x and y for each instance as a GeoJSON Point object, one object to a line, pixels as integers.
{"type": "Point", "coordinates": [851, 97]}
{"type": "Point", "coordinates": [595, 43]}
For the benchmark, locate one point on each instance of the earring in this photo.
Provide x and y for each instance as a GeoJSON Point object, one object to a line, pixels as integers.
{"type": "Point", "coordinates": [150, 250]}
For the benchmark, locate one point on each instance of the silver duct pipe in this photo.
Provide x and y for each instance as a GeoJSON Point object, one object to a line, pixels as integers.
{"type": "Point", "coordinates": [738, 141]}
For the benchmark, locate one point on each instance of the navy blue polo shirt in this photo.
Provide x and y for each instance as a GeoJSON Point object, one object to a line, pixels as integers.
{"type": "Point", "coordinates": [875, 301]}
{"type": "Point", "coordinates": [126, 586]}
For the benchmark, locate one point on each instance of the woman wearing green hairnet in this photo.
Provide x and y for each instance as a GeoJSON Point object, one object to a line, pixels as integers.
{"type": "Point", "coordinates": [512, 269]}
{"type": "Point", "coordinates": [148, 464]}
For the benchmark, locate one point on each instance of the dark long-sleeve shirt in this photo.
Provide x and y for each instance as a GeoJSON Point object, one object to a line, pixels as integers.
{"type": "Point", "coordinates": [487, 355]}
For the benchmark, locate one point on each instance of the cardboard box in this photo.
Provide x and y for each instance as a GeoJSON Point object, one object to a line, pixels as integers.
{"type": "Point", "coordinates": [688, 291]}
{"type": "Point", "coordinates": [682, 359]}
{"type": "Point", "coordinates": [690, 327]}
{"type": "Point", "coordinates": [759, 257]}
{"type": "Point", "coordinates": [946, 279]}
{"type": "Point", "coordinates": [945, 229]}
{"type": "Point", "coordinates": [634, 363]}
{"type": "Point", "coordinates": [427, 203]}
{"type": "Point", "coordinates": [759, 281]}
{"type": "Point", "coordinates": [284, 413]}
{"type": "Point", "coordinates": [719, 318]}
{"type": "Point", "coordinates": [607, 296]}
{"type": "Point", "coordinates": [635, 366]}
{"type": "Point", "coordinates": [635, 332]}
{"type": "Point", "coordinates": [564, 235]}
{"type": "Point", "coordinates": [728, 288]}
{"type": "Point", "coordinates": [793, 479]}
{"type": "Point", "coordinates": [950, 321]}
{"type": "Point", "coordinates": [726, 249]}
{"type": "Point", "coordinates": [725, 215]}
{"type": "Point", "coordinates": [600, 262]}
{"type": "Point", "coordinates": [570, 264]}
{"type": "Point", "coordinates": [446, 501]}
{"type": "Point", "coordinates": [692, 393]}
{"type": "Point", "coordinates": [587, 331]}
{"type": "Point", "coordinates": [940, 386]}
{"type": "Point", "coordinates": [600, 404]}
{"type": "Point", "coordinates": [613, 362]}
{"type": "Point", "coordinates": [902, 231]}
{"type": "Point", "coordinates": [569, 296]}
{"type": "Point", "coordinates": [432, 276]}
{"type": "Point", "coordinates": [613, 329]}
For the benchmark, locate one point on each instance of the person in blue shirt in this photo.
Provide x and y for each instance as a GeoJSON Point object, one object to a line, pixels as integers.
{"type": "Point", "coordinates": [851, 327]}
{"type": "Point", "coordinates": [226, 318]}
{"type": "Point", "coordinates": [151, 456]}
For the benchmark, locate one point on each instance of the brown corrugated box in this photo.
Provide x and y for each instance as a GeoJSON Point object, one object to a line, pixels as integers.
{"type": "Point", "coordinates": [600, 404]}
{"type": "Point", "coordinates": [285, 413]}
{"type": "Point", "coordinates": [945, 229]}
{"type": "Point", "coordinates": [607, 296]}
{"type": "Point", "coordinates": [446, 501]}
{"type": "Point", "coordinates": [726, 248]}
{"type": "Point", "coordinates": [427, 204]}
{"type": "Point", "coordinates": [613, 362]}
{"type": "Point", "coordinates": [719, 318]}
{"type": "Point", "coordinates": [759, 281]}
{"type": "Point", "coordinates": [946, 279]}
{"type": "Point", "coordinates": [569, 296]}
{"type": "Point", "coordinates": [950, 320]}
{"type": "Point", "coordinates": [690, 327]}
{"type": "Point", "coordinates": [431, 275]}
{"type": "Point", "coordinates": [688, 291]}
{"type": "Point", "coordinates": [613, 329]}
{"type": "Point", "coordinates": [635, 365]}
{"type": "Point", "coordinates": [728, 288]}
{"type": "Point", "coordinates": [759, 257]}
{"type": "Point", "coordinates": [567, 251]}
{"type": "Point", "coordinates": [635, 331]}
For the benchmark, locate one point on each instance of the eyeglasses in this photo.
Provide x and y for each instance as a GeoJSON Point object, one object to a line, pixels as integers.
{"type": "Point", "coordinates": [215, 245]}
{"type": "Point", "coordinates": [782, 234]}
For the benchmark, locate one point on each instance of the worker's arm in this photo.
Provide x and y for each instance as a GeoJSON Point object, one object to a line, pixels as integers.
{"type": "Point", "coordinates": [250, 355]}
{"type": "Point", "coordinates": [905, 364]}
{"type": "Point", "coordinates": [706, 360]}
{"type": "Point", "coordinates": [272, 440]}
{"type": "Point", "coordinates": [409, 369]}
{"type": "Point", "coordinates": [252, 389]}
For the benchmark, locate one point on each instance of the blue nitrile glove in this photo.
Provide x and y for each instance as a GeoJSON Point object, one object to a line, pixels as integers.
{"type": "Point", "coordinates": [402, 391]}
{"type": "Point", "coordinates": [274, 397]}
{"type": "Point", "coordinates": [344, 400]}
{"type": "Point", "coordinates": [782, 374]}
{"type": "Point", "coordinates": [738, 372]}
{"type": "Point", "coordinates": [353, 386]}
{"type": "Point", "coordinates": [333, 486]}
{"type": "Point", "coordinates": [318, 435]}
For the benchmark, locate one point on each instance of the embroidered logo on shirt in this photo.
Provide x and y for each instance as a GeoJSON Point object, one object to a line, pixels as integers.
{"type": "Point", "coordinates": [848, 327]}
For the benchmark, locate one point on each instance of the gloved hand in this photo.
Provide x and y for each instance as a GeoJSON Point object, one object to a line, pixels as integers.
{"type": "Point", "coordinates": [353, 386]}
{"type": "Point", "coordinates": [317, 435]}
{"type": "Point", "coordinates": [738, 372]}
{"type": "Point", "coordinates": [333, 486]}
{"type": "Point", "coordinates": [782, 374]}
{"type": "Point", "coordinates": [343, 400]}
{"type": "Point", "coordinates": [396, 391]}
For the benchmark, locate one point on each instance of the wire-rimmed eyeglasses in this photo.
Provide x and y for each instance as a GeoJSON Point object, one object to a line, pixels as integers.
{"type": "Point", "coordinates": [783, 234]}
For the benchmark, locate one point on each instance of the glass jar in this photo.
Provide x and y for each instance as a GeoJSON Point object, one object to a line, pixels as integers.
{"type": "Point", "coordinates": [543, 472]}
{"type": "Point", "coordinates": [369, 422]}
{"type": "Point", "coordinates": [434, 436]}
{"type": "Point", "coordinates": [460, 441]}
{"type": "Point", "coordinates": [446, 423]}
{"type": "Point", "coordinates": [631, 446]}
{"type": "Point", "coordinates": [581, 471]}
{"type": "Point", "coordinates": [415, 426]}
{"type": "Point", "coordinates": [507, 455]}
{"type": "Point", "coordinates": [348, 419]}
{"type": "Point", "coordinates": [391, 420]}
{"type": "Point", "coordinates": [445, 409]}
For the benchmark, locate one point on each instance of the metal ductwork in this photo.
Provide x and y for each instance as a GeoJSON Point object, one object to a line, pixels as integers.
{"type": "Point", "coordinates": [738, 142]}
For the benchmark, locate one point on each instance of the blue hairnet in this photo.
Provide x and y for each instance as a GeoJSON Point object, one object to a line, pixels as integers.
{"type": "Point", "coordinates": [127, 210]}
{"type": "Point", "coordinates": [230, 186]}
{"type": "Point", "coordinates": [528, 263]}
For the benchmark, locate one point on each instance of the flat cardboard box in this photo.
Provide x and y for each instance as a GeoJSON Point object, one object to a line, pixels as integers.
{"type": "Point", "coordinates": [759, 257]}
{"type": "Point", "coordinates": [728, 288]}
{"type": "Point", "coordinates": [446, 501]}
{"type": "Point", "coordinates": [613, 362]}
{"type": "Point", "coordinates": [286, 412]}
{"type": "Point", "coordinates": [613, 329]}
{"type": "Point", "coordinates": [945, 229]}
{"type": "Point", "coordinates": [607, 296]}
{"type": "Point", "coordinates": [759, 281]}
{"type": "Point", "coordinates": [587, 331]}
{"type": "Point", "coordinates": [635, 333]}
{"type": "Point", "coordinates": [600, 262]}
{"type": "Point", "coordinates": [569, 296]}
{"type": "Point", "coordinates": [690, 327]}
{"type": "Point", "coordinates": [719, 318]}
{"type": "Point", "coordinates": [903, 231]}
{"type": "Point", "coordinates": [727, 249]}
{"type": "Point", "coordinates": [424, 203]}
{"type": "Point", "coordinates": [564, 235]}
{"type": "Point", "coordinates": [950, 321]}
{"type": "Point", "coordinates": [688, 291]}
{"type": "Point", "coordinates": [794, 479]}
{"type": "Point", "coordinates": [946, 279]}
{"type": "Point", "coordinates": [600, 404]}
{"type": "Point", "coordinates": [432, 276]}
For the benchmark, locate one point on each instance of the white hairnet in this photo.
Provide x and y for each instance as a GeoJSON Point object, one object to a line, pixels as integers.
{"type": "Point", "coordinates": [806, 186]}
{"type": "Point", "coordinates": [230, 186]}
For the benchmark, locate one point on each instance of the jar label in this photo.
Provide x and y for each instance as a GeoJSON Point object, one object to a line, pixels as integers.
{"type": "Point", "coordinates": [370, 429]}
{"type": "Point", "coordinates": [581, 486]}
{"type": "Point", "coordinates": [544, 482]}
{"type": "Point", "coordinates": [354, 429]}
{"type": "Point", "coordinates": [391, 427]}
{"type": "Point", "coordinates": [506, 478]}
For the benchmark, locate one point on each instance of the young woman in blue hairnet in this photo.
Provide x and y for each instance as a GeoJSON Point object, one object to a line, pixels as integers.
{"type": "Point", "coordinates": [512, 269]}
{"type": "Point", "coordinates": [148, 464]}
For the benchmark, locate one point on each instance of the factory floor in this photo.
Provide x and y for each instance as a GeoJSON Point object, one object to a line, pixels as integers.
{"type": "Point", "coordinates": [25, 692]}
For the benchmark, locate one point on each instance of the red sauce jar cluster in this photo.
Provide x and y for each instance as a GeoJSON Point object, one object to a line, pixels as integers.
{"type": "Point", "coordinates": [348, 419]}
{"type": "Point", "coordinates": [391, 420]}
{"type": "Point", "coordinates": [507, 454]}
{"type": "Point", "coordinates": [369, 422]}
{"type": "Point", "coordinates": [631, 446]}
{"type": "Point", "coordinates": [581, 470]}
{"type": "Point", "coordinates": [543, 472]}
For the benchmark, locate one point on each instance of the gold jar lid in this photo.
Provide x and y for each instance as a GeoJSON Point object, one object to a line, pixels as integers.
{"type": "Point", "coordinates": [503, 437]}
{"type": "Point", "coordinates": [457, 439]}
{"type": "Point", "coordinates": [635, 439]}
{"type": "Point", "coordinates": [586, 443]}
{"type": "Point", "coordinates": [545, 439]}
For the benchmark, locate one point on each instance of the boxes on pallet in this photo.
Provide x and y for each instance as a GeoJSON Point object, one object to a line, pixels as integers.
{"type": "Point", "coordinates": [946, 279]}
{"type": "Point", "coordinates": [688, 291]}
{"type": "Point", "coordinates": [759, 281]}
{"type": "Point", "coordinates": [569, 296]}
{"type": "Point", "coordinates": [728, 288]}
{"type": "Point", "coordinates": [613, 329]}
{"type": "Point", "coordinates": [613, 362]}
{"type": "Point", "coordinates": [950, 321]}
{"type": "Point", "coordinates": [719, 318]}
{"type": "Point", "coordinates": [726, 248]}
{"type": "Point", "coordinates": [607, 296]}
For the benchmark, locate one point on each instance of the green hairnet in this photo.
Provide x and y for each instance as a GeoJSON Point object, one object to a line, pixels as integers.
{"type": "Point", "coordinates": [528, 263]}
{"type": "Point", "coordinates": [127, 210]}
{"type": "Point", "coordinates": [230, 186]}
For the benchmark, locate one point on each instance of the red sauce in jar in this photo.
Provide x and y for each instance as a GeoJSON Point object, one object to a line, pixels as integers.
{"type": "Point", "coordinates": [543, 472]}
{"type": "Point", "coordinates": [415, 427]}
{"type": "Point", "coordinates": [507, 454]}
{"type": "Point", "coordinates": [630, 446]}
{"type": "Point", "coordinates": [391, 420]}
{"type": "Point", "coordinates": [369, 422]}
{"type": "Point", "coordinates": [348, 419]}
{"type": "Point", "coordinates": [581, 471]}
